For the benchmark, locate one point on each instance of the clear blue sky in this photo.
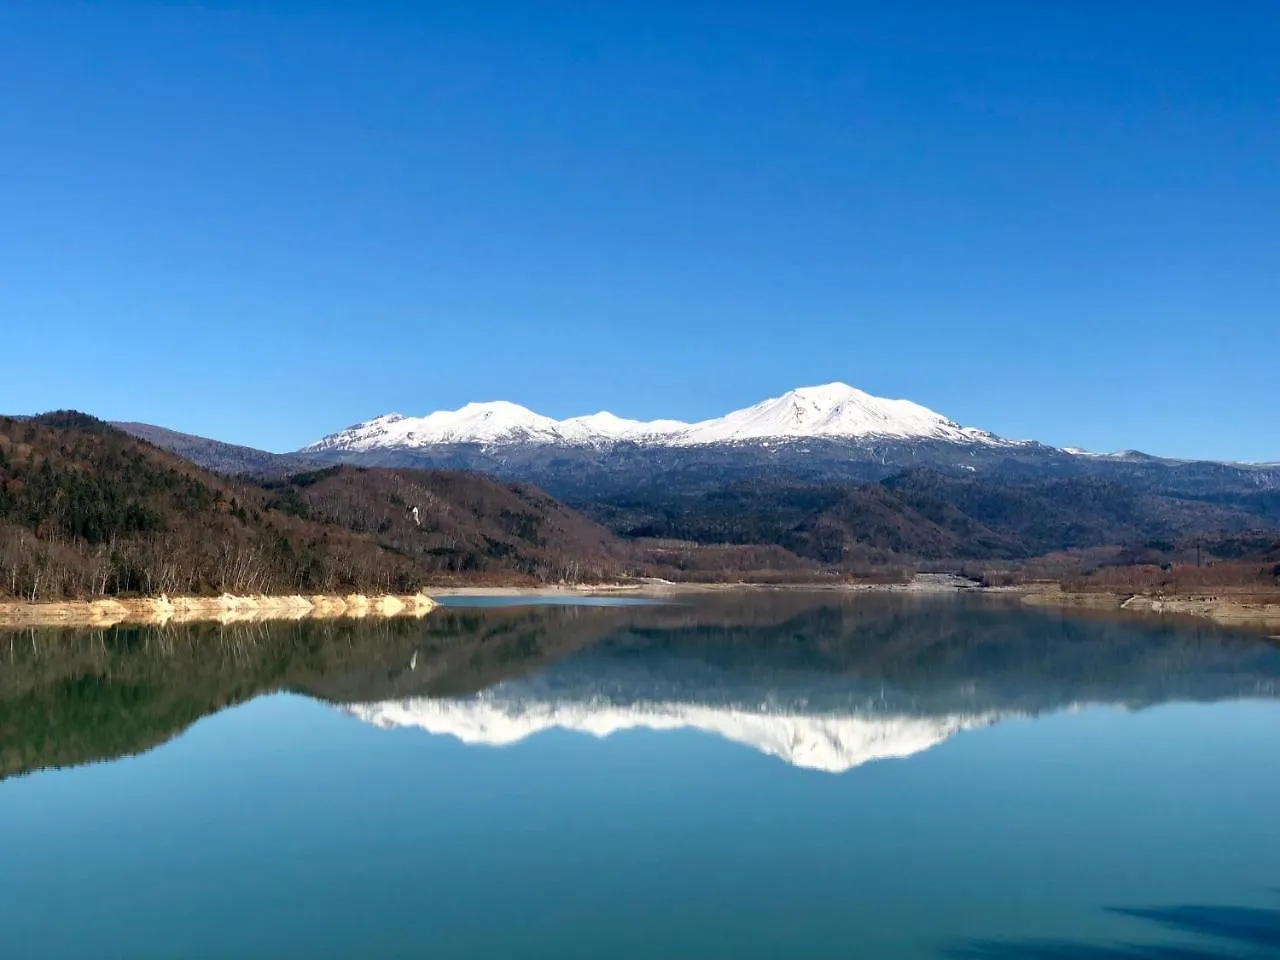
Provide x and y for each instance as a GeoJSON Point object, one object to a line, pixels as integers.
{"type": "Point", "coordinates": [263, 222]}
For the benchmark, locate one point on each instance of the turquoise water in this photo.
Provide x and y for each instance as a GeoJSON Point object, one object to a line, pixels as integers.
{"type": "Point", "coordinates": [768, 777]}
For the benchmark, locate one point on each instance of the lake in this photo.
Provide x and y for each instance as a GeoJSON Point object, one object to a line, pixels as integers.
{"type": "Point", "coordinates": [753, 775]}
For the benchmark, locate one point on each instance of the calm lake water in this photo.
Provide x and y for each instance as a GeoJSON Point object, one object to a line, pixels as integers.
{"type": "Point", "coordinates": [741, 776]}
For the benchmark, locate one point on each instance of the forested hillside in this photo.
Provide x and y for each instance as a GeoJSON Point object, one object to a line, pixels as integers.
{"type": "Point", "coordinates": [453, 522]}
{"type": "Point", "coordinates": [87, 510]}
{"type": "Point", "coordinates": [923, 514]}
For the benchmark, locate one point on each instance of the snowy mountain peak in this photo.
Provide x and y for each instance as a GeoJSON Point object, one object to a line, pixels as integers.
{"type": "Point", "coordinates": [498, 421]}
{"type": "Point", "coordinates": [832, 410]}
{"type": "Point", "coordinates": [829, 393]}
{"type": "Point", "coordinates": [604, 421]}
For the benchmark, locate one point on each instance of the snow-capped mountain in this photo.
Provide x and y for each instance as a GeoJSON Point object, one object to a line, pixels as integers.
{"type": "Point", "coordinates": [829, 742]}
{"type": "Point", "coordinates": [832, 411]}
{"type": "Point", "coordinates": [825, 434]}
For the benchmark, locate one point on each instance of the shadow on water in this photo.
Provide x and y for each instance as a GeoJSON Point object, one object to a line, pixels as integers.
{"type": "Point", "coordinates": [1231, 933]}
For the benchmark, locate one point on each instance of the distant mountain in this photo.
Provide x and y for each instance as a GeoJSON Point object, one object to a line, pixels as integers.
{"type": "Point", "coordinates": [825, 434]}
{"type": "Point", "coordinates": [835, 410]}
{"type": "Point", "coordinates": [831, 434]}
{"type": "Point", "coordinates": [823, 476]}
{"type": "Point", "coordinates": [228, 458]}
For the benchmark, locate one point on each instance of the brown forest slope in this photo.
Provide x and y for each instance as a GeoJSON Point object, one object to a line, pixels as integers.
{"type": "Point", "coordinates": [86, 509]}
{"type": "Point", "coordinates": [456, 523]}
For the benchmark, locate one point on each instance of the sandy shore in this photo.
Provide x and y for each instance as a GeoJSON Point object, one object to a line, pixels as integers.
{"type": "Point", "coordinates": [224, 609]}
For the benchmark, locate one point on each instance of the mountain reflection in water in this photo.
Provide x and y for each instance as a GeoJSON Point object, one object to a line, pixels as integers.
{"type": "Point", "coordinates": [822, 681]}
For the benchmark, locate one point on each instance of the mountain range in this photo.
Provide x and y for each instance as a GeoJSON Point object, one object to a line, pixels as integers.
{"type": "Point", "coordinates": [87, 510]}
{"type": "Point", "coordinates": [834, 410]}
{"type": "Point", "coordinates": [825, 477]}
{"type": "Point", "coordinates": [833, 433]}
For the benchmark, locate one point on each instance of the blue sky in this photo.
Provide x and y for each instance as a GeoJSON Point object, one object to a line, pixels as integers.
{"type": "Point", "coordinates": [263, 222]}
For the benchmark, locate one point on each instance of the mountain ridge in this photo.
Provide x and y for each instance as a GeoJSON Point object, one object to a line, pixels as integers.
{"type": "Point", "coordinates": [833, 410]}
{"type": "Point", "coordinates": [832, 433]}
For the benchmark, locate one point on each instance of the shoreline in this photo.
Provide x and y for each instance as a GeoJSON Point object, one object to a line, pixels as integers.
{"type": "Point", "coordinates": [925, 583]}
{"type": "Point", "coordinates": [1228, 611]}
{"type": "Point", "coordinates": [1252, 613]}
{"type": "Point", "coordinates": [224, 609]}
{"type": "Point", "coordinates": [1261, 615]}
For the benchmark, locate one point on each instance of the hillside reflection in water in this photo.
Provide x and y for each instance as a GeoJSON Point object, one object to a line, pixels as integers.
{"type": "Point", "coordinates": [747, 775]}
